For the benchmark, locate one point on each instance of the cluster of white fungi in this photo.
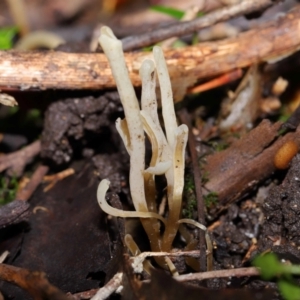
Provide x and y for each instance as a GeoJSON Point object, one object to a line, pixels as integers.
{"type": "Point", "coordinates": [168, 149]}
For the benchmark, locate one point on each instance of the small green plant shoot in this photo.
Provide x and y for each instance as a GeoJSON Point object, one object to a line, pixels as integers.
{"type": "Point", "coordinates": [6, 37]}
{"type": "Point", "coordinates": [271, 268]}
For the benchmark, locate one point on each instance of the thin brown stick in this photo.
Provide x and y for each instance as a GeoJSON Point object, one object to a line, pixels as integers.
{"type": "Point", "coordinates": [57, 70]}
{"type": "Point", "coordinates": [185, 118]}
{"type": "Point", "coordinates": [17, 161]}
{"type": "Point", "coordinates": [183, 28]}
{"type": "Point", "coordinates": [216, 82]}
{"type": "Point", "coordinates": [34, 182]}
{"type": "Point", "coordinates": [53, 179]}
{"type": "Point", "coordinates": [241, 272]}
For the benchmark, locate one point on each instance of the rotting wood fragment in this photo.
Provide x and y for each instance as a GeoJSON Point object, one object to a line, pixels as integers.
{"type": "Point", "coordinates": [238, 169]}
{"type": "Point", "coordinates": [35, 283]}
{"type": "Point", "coordinates": [58, 70]}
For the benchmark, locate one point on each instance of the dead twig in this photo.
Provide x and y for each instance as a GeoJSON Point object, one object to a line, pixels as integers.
{"type": "Point", "coordinates": [32, 185]}
{"type": "Point", "coordinates": [109, 288]}
{"type": "Point", "coordinates": [183, 28]}
{"type": "Point", "coordinates": [241, 272]}
{"type": "Point", "coordinates": [17, 161]}
{"type": "Point", "coordinates": [57, 70]}
{"type": "Point", "coordinates": [143, 255]}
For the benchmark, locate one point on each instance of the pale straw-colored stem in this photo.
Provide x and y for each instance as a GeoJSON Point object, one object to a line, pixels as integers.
{"type": "Point", "coordinates": [112, 48]}
{"type": "Point", "coordinates": [178, 163]}
{"type": "Point", "coordinates": [167, 103]}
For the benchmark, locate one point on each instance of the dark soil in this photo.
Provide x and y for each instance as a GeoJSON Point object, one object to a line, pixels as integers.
{"type": "Point", "coordinates": [281, 228]}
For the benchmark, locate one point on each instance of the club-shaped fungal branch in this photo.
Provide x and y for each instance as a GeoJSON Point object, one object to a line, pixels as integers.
{"type": "Point", "coordinates": [112, 48]}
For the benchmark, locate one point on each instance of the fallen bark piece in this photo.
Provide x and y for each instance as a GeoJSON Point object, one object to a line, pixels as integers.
{"type": "Point", "coordinates": [68, 237]}
{"type": "Point", "coordinates": [238, 169]}
{"type": "Point", "coordinates": [58, 70]}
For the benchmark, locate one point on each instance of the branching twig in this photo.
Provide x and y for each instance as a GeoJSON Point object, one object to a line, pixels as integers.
{"type": "Point", "coordinates": [183, 28]}
{"type": "Point", "coordinates": [17, 161]}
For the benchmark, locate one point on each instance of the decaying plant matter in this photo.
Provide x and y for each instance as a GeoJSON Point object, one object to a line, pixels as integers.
{"type": "Point", "coordinates": [167, 150]}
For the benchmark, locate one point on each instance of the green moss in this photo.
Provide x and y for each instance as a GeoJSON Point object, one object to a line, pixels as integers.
{"type": "Point", "coordinates": [211, 199]}
{"type": "Point", "coordinates": [205, 177]}
{"type": "Point", "coordinates": [190, 203]}
{"type": "Point", "coordinates": [189, 183]}
{"type": "Point", "coordinates": [190, 207]}
{"type": "Point", "coordinates": [189, 195]}
{"type": "Point", "coordinates": [219, 146]}
{"type": "Point", "coordinates": [8, 189]}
